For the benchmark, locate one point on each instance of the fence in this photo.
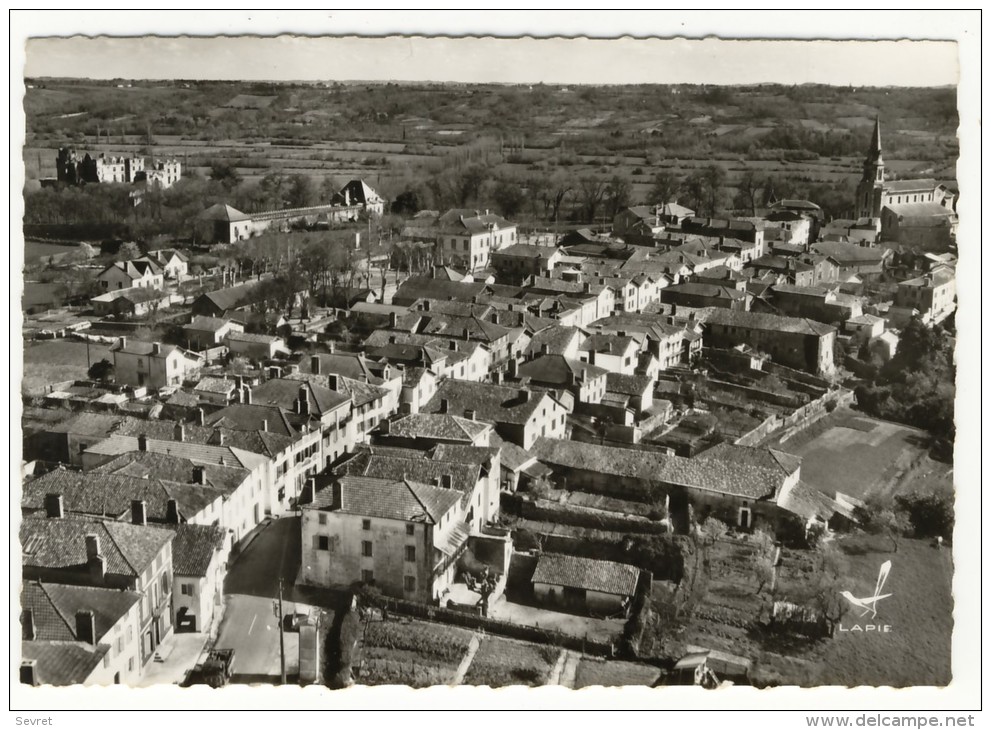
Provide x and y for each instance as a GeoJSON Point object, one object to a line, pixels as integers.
{"type": "Point", "coordinates": [499, 627]}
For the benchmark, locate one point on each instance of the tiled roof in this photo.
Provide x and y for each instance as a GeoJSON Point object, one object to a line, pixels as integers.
{"type": "Point", "coordinates": [492, 403]}
{"type": "Point", "coordinates": [513, 457]}
{"type": "Point", "coordinates": [54, 607]}
{"type": "Point", "coordinates": [267, 443]}
{"type": "Point", "coordinates": [739, 480]}
{"type": "Point", "coordinates": [767, 322]}
{"type": "Point", "coordinates": [222, 212]}
{"type": "Point", "coordinates": [556, 338]}
{"type": "Point", "coordinates": [423, 287]}
{"type": "Point", "coordinates": [526, 250]}
{"type": "Point", "coordinates": [940, 277]}
{"type": "Point", "coordinates": [464, 477]}
{"type": "Point", "coordinates": [101, 494]}
{"type": "Point", "coordinates": [210, 384]}
{"type": "Point", "coordinates": [233, 297]}
{"type": "Point", "coordinates": [559, 370]}
{"type": "Point", "coordinates": [607, 343]}
{"type": "Point", "coordinates": [197, 453]}
{"type": "Point", "coordinates": [850, 252]}
{"type": "Point", "coordinates": [438, 426]}
{"type": "Point", "coordinates": [603, 576]}
{"type": "Point", "coordinates": [389, 499]}
{"type": "Point", "coordinates": [926, 184]}
{"type": "Point", "coordinates": [463, 454]}
{"type": "Point", "coordinates": [628, 384]}
{"type": "Point", "coordinates": [764, 458]}
{"type": "Point", "coordinates": [253, 417]}
{"type": "Point", "coordinates": [194, 547]}
{"type": "Point", "coordinates": [90, 424]}
{"type": "Point", "coordinates": [705, 290]}
{"type": "Point", "coordinates": [284, 392]}
{"type": "Point", "coordinates": [235, 336]}
{"type": "Point", "coordinates": [807, 502]}
{"type": "Point", "coordinates": [62, 663]}
{"type": "Point", "coordinates": [61, 543]}
{"type": "Point", "coordinates": [172, 468]}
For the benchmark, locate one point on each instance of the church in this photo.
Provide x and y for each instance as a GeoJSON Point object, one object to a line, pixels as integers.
{"type": "Point", "coordinates": [911, 212]}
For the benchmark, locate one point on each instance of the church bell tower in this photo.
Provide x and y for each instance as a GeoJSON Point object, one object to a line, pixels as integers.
{"type": "Point", "coordinates": [870, 189]}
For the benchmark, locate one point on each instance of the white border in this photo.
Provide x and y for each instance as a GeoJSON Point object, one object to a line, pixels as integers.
{"type": "Point", "coordinates": [960, 26]}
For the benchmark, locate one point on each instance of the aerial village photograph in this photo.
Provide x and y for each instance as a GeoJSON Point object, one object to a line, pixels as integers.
{"type": "Point", "coordinates": [350, 375]}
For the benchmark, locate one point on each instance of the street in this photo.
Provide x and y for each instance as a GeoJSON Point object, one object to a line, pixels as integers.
{"type": "Point", "coordinates": [250, 624]}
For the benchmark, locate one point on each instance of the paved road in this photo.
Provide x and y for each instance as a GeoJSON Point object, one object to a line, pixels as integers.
{"type": "Point", "coordinates": [250, 626]}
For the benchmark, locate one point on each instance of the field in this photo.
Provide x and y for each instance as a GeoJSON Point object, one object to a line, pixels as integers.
{"type": "Point", "coordinates": [56, 361]}
{"type": "Point", "coordinates": [916, 651]}
{"type": "Point", "coordinates": [505, 662]}
{"type": "Point", "coordinates": [856, 455]}
{"type": "Point", "coordinates": [413, 653]}
{"type": "Point", "coordinates": [35, 250]}
{"type": "Point", "coordinates": [599, 672]}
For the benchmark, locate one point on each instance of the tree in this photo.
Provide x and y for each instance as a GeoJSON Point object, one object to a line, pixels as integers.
{"type": "Point", "coordinates": [763, 566]}
{"type": "Point", "coordinates": [301, 193]}
{"type": "Point", "coordinates": [748, 192]}
{"type": "Point", "coordinates": [103, 371]}
{"type": "Point", "coordinates": [406, 203]}
{"type": "Point", "coordinates": [665, 189]}
{"type": "Point", "coordinates": [882, 517]}
{"type": "Point", "coordinates": [714, 177]}
{"type": "Point", "coordinates": [225, 173]}
{"type": "Point", "coordinates": [591, 192]}
{"type": "Point", "coordinates": [619, 194]}
{"type": "Point", "coordinates": [931, 514]}
{"type": "Point", "coordinates": [508, 195]}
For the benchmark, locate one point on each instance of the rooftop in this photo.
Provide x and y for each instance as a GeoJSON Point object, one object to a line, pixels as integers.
{"type": "Point", "coordinates": [403, 500]}
{"type": "Point", "coordinates": [603, 576]}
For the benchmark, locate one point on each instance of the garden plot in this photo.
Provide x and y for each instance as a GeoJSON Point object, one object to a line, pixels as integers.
{"type": "Point", "coordinates": [413, 653]}
{"type": "Point", "coordinates": [505, 662]}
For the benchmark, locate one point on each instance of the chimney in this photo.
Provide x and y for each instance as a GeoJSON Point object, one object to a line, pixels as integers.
{"type": "Point", "coordinates": [545, 349]}
{"type": "Point", "coordinates": [445, 404]}
{"type": "Point", "coordinates": [447, 481]}
{"type": "Point", "coordinates": [467, 334]}
{"type": "Point", "coordinates": [123, 343]}
{"type": "Point", "coordinates": [94, 558]}
{"type": "Point", "coordinates": [199, 475]}
{"type": "Point", "coordinates": [238, 381]}
{"type": "Point", "coordinates": [392, 339]}
{"type": "Point", "coordinates": [172, 512]}
{"type": "Point", "coordinates": [303, 402]}
{"type": "Point", "coordinates": [139, 512]}
{"type": "Point", "coordinates": [315, 364]}
{"type": "Point", "coordinates": [470, 414]}
{"type": "Point", "coordinates": [587, 288]}
{"type": "Point", "coordinates": [27, 625]}
{"type": "Point", "coordinates": [337, 495]}
{"type": "Point", "coordinates": [179, 432]}
{"type": "Point", "coordinates": [142, 443]}
{"type": "Point", "coordinates": [426, 305]}
{"type": "Point", "coordinates": [86, 627]}
{"type": "Point", "coordinates": [246, 395]}
{"type": "Point", "coordinates": [200, 417]}
{"type": "Point", "coordinates": [156, 348]}
{"type": "Point", "coordinates": [265, 425]}
{"type": "Point", "coordinates": [393, 320]}
{"type": "Point", "coordinates": [332, 382]}
{"type": "Point", "coordinates": [452, 345]}
{"type": "Point", "coordinates": [54, 507]}
{"type": "Point", "coordinates": [28, 674]}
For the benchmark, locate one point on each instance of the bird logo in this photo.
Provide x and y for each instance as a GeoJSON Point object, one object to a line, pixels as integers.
{"type": "Point", "coordinates": [869, 603]}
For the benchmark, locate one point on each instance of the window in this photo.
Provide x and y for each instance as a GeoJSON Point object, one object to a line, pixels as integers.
{"type": "Point", "coordinates": [367, 576]}
{"type": "Point", "coordinates": [410, 529]}
{"type": "Point", "coordinates": [366, 524]}
{"type": "Point", "coordinates": [323, 542]}
{"type": "Point", "coordinates": [409, 583]}
{"type": "Point", "coordinates": [186, 589]}
{"type": "Point", "coordinates": [130, 664]}
{"type": "Point", "coordinates": [410, 554]}
{"type": "Point", "coordinates": [366, 548]}
{"type": "Point", "coordinates": [322, 519]}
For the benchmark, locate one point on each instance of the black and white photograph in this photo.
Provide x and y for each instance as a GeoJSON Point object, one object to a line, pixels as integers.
{"type": "Point", "coordinates": [357, 355]}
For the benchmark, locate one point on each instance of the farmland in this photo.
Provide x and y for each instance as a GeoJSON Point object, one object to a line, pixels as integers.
{"type": "Point", "coordinates": [57, 361]}
{"type": "Point", "coordinates": [397, 137]}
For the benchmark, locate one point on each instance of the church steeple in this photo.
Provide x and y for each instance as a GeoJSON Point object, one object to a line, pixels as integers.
{"type": "Point", "coordinates": [870, 191]}
{"type": "Point", "coordinates": [874, 164]}
{"type": "Point", "coordinates": [875, 141]}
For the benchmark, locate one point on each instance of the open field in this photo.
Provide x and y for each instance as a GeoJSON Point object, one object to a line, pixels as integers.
{"type": "Point", "coordinates": [850, 453]}
{"type": "Point", "coordinates": [414, 653]}
{"type": "Point", "coordinates": [916, 651]}
{"type": "Point", "coordinates": [56, 361]}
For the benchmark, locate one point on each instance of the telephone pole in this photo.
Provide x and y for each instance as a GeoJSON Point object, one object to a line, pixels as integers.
{"type": "Point", "coordinates": [282, 638]}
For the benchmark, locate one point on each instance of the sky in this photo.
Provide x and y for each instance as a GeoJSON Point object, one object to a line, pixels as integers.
{"type": "Point", "coordinates": [496, 59]}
